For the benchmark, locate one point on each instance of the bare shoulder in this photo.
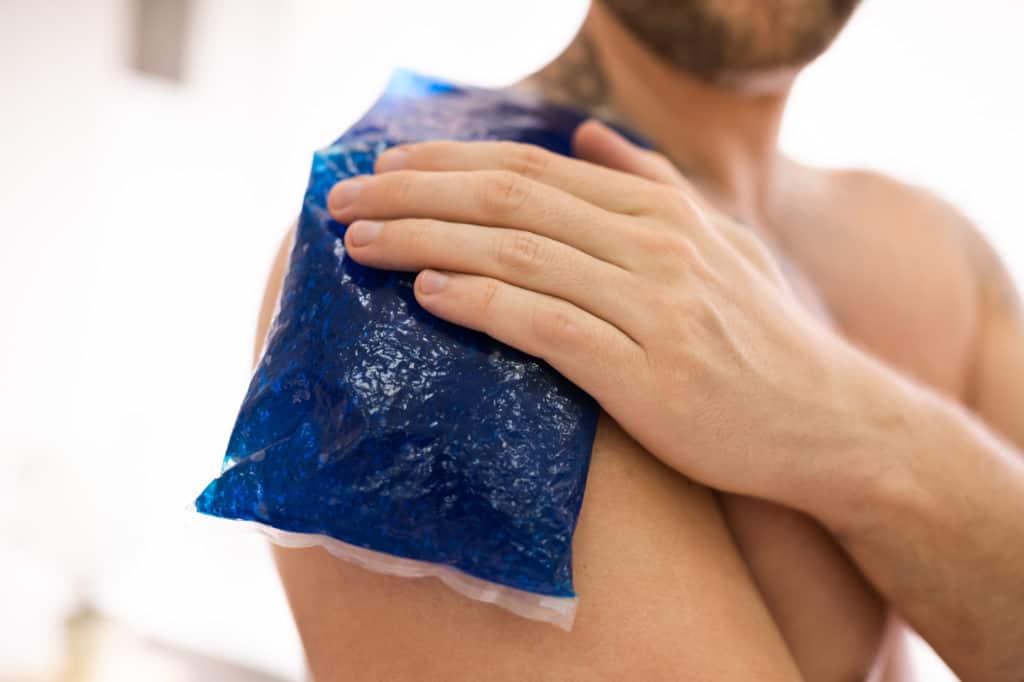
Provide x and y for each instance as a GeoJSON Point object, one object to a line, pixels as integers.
{"type": "Point", "coordinates": [895, 263]}
{"type": "Point", "coordinates": [902, 204]}
{"type": "Point", "coordinates": [653, 561]}
{"type": "Point", "coordinates": [980, 306]}
{"type": "Point", "coordinates": [861, 204]}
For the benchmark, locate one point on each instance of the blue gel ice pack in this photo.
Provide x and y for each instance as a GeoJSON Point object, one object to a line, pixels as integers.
{"type": "Point", "coordinates": [372, 422]}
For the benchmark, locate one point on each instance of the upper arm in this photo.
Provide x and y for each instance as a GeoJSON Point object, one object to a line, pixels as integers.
{"type": "Point", "coordinates": [664, 593]}
{"type": "Point", "coordinates": [997, 368]}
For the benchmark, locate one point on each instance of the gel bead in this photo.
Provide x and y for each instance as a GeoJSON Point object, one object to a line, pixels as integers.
{"type": "Point", "coordinates": [373, 422]}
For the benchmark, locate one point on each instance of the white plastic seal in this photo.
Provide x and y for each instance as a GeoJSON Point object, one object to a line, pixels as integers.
{"type": "Point", "coordinates": [558, 611]}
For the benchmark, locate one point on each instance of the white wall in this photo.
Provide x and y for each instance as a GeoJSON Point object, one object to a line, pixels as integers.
{"type": "Point", "coordinates": [139, 217]}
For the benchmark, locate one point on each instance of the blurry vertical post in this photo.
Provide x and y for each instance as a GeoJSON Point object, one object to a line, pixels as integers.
{"type": "Point", "coordinates": [159, 37]}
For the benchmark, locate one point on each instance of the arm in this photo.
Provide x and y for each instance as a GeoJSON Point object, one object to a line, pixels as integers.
{"type": "Point", "coordinates": [941, 532]}
{"type": "Point", "coordinates": [664, 594]}
{"type": "Point", "coordinates": [715, 368]}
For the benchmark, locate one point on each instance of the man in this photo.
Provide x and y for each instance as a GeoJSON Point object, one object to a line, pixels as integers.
{"type": "Point", "coordinates": [811, 344]}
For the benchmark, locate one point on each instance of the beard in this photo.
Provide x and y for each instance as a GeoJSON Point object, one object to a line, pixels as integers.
{"type": "Point", "coordinates": [720, 39]}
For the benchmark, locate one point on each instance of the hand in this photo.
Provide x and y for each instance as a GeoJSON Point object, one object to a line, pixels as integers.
{"type": "Point", "coordinates": [668, 313]}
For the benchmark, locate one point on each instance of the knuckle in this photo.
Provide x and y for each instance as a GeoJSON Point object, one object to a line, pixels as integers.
{"type": "Point", "coordinates": [663, 298]}
{"type": "Point", "coordinates": [688, 315]}
{"type": "Point", "coordinates": [676, 247]}
{"type": "Point", "coordinates": [503, 192]}
{"type": "Point", "coordinates": [519, 251]}
{"type": "Point", "coordinates": [401, 185]}
{"type": "Point", "coordinates": [415, 232]}
{"type": "Point", "coordinates": [682, 312]}
{"type": "Point", "coordinates": [488, 296]}
{"type": "Point", "coordinates": [525, 159]}
{"type": "Point", "coordinates": [683, 249]}
{"type": "Point", "coordinates": [701, 320]}
{"type": "Point", "coordinates": [555, 324]}
{"type": "Point", "coordinates": [675, 200]}
{"type": "Point", "coordinates": [750, 247]}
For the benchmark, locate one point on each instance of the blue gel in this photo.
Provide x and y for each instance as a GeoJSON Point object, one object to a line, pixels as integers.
{"type": "Point", "coordinates": [375, 423]}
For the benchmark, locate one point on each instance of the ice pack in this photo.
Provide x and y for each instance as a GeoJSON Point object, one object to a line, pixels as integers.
{"type": "Point", "coordinates": [395, 439]}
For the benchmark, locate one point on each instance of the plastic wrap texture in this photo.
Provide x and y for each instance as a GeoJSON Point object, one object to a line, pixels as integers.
{"type": "Point", "coordinates": [372, 422]}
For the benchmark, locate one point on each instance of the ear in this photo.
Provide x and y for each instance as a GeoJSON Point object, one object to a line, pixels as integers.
{"type": "Point", "coordinates": [595, 142]}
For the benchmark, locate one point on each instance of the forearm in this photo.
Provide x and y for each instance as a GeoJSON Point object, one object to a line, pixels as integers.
{"type": "Point", "coordinates": [931, 508]}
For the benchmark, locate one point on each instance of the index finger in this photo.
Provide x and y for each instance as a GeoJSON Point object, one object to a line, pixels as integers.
{"type": "Point", "coordinates": [609, 189]}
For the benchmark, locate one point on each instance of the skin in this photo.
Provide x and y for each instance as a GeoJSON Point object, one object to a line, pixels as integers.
{"type": "Point", "coordinates": [831, 618]}
{"type": "Point", "coordinates": [664, 590]}
{"type": "Point", "coordinates": [715, 39]}
{"type": "Point", "coordinates": [850, 359]}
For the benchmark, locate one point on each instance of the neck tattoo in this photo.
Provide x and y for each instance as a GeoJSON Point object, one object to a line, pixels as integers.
{"type": "Point", "coordinates": [576, 78]}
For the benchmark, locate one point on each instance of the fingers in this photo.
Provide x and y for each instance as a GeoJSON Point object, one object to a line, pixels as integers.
{"type": "Point", "coordinates": [588, 351]}
{"type": "Point", "coordinates": [610, 189]}
{"type": "Point", "coordinates": [753, 250]}
{"type": "Point", "coordinates": [521, 258]}
{"type": "Point", "coordinates": [492, 197]}
{"type": "Point", "coordinates": [599, 144]}
{"type": "Point", "coordinates": [677, 198]}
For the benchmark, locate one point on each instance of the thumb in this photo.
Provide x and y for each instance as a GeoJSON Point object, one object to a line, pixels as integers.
{"type": "Point", "coordinates": [595, 142]}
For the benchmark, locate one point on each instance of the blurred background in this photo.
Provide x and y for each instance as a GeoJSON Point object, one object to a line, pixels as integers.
{"type": "Point", "coordinates": [152, 154]}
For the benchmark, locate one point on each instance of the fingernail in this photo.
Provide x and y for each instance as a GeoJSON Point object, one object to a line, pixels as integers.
{"type": "Point", "coordinates": [362, 232]}
{"type": "Point", "coordinates": [392, 159]}
{"type": "Point", "coordinates": [343, 194]}
{"type": "Point", "coordinates": [432, 281]}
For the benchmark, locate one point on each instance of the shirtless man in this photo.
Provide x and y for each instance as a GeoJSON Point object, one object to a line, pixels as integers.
{"type": "Point", "coordinates": [811, 379]}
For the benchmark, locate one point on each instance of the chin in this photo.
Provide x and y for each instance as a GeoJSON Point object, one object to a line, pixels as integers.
{"type": "Point", "coordinates": [754, 44]}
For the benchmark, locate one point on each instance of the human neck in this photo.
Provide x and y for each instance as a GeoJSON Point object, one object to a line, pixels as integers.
{"type": "Point", "coordinates": [724, 140]}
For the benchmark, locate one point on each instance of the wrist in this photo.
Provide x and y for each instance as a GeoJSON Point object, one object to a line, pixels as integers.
{"type": "Point", "coordinates": [870, 468]}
